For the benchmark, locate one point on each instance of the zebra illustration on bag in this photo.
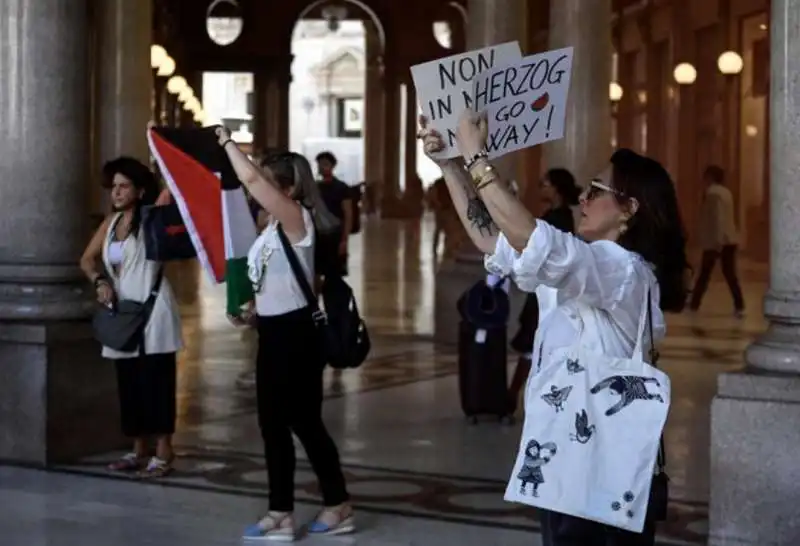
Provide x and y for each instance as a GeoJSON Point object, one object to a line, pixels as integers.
{"type": "Point", "coordinates": [536, 456]}
{"type": "Point", "coordinates": [630, 388]}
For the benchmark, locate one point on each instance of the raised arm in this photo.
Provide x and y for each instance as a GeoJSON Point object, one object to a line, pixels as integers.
{"type": "Point", "coordinates": [509, 214]}
{"type": "Point", "coordinates": [471, 210]}
{"type": "Point", "coordinates": [262, 186]}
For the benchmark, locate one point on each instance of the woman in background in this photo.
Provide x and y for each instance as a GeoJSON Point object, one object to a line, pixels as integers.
{"type": "Point", "coordinates": [560, 194]}
{"type": "Point", "coordinates": [146, 379]}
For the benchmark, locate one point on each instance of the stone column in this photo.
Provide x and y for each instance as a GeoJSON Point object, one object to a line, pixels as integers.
{"type": "Point", "coordinates": [586, 145]}
{"type": "Point", "coordinates": [390, 185]}
{"type": "Point", "coordinates": [57, 397]}
{"type": "Point", "coordinates": [754, 434]}
{"type": "Point", "coordinates": [490, 22]}
{"type": "Point", "coordinates": [124, 93]}
{"type": "Point", "coordinates": [271, 118]}
{"type": "Point", "coordinates": [413, 193]}
{"type": "Point", "coordinates": [373, 118]}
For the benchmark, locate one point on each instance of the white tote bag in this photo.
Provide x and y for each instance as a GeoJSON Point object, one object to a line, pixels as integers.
{"type": "Point", "coordinates": [591, 435]}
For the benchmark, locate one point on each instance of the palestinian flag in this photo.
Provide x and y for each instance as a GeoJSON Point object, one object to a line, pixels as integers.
{"type": "Point", "coordinates": [212, 202]}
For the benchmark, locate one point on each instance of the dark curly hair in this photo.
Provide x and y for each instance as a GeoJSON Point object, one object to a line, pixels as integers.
{"type": "Point", "coordinates": [564, 183]}
{"type": "Point", "coordinates": [656, 230]}
{"type": "Point", "coordinates": [140, 176]}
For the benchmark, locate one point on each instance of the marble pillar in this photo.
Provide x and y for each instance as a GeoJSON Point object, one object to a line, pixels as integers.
{"type": "Point", "coordinates": [586, 146]}
{"type": "Point", "coordinates": [390, 185]}
{"type": "Point", "coordinates": [490, 22]}
{"type": "Point", "coordinates": [413, 194]}
{"type": "Point", "coordinates": [57, 397]}
{"type": "Point", "coordinates": [271, 118]}
{"type": "Point", "coordinates": [754, 434]}
{"type": "Point", "coordinates": [124, 93]}
{"type": "Point", "coordinates": [373, 119]}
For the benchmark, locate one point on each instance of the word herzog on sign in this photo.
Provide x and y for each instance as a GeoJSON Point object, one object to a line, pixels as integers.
{"type": "Point", "coordinates": [518, 80]}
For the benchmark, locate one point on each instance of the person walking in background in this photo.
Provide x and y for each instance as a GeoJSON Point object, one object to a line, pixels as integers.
{"type": "Point", "coordinates": [718, 239]}
{"type": "Point", "coordinates": [331, 255]}
{"type": "Point", "coordinates": [560, 194]}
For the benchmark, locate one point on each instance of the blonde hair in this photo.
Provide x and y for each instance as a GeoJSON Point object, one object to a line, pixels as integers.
{"type": "Point", "coordinates": [291, 169]}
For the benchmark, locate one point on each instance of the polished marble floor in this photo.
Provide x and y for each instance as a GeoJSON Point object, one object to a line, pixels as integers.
{"type": "Point", "coordinates": [418, 472]}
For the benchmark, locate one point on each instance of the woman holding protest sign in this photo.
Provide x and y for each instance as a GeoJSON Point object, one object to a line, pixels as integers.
{"type": "Point", "coordinates": [596, 293]}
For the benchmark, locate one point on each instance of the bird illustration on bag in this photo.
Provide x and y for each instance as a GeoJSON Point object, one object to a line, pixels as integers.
{"type": "Point", "coordinates": [556, 397]}
{"type": "Point", "coordinates": [630, 388]}
{"type": "Point", "coordinates": [536, 456]}
{"type": "Point", "coordinates": [583, 430]}
{"type": "Point", "coordinates": [573, 367]}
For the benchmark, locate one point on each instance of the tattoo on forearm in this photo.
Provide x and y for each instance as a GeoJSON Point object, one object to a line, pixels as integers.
{"type": "Point", "coordinates": [479, 216]}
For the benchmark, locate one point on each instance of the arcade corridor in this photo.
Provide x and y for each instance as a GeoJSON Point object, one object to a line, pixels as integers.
{"type": "Point", "coordinates": [418, 472]}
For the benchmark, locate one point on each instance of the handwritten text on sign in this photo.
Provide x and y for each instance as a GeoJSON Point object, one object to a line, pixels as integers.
{"type": "Point", "coordinates": [525, 101]}
{"type": "Point", "coordinates": [444, 86]}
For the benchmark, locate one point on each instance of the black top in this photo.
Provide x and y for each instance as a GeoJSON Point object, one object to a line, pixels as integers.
{"type": "Point", "coordinates": [560, 218]}
{"type": "Point", "coordinates": [334, 193]}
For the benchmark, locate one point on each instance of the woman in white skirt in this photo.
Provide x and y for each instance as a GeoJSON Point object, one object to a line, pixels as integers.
{"type": "Point", "coordinates": [116, 263]}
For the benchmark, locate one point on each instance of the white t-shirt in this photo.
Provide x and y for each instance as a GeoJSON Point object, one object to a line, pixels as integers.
{"type": "Point", "coordinates": [279, 293]}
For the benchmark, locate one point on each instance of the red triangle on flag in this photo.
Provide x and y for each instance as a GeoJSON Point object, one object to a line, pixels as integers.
{"type": "Point", "coordinates": [198, 193]}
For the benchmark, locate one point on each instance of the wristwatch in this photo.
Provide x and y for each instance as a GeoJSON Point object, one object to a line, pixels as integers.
{"type": "Point", "coordinates": [482, 172]}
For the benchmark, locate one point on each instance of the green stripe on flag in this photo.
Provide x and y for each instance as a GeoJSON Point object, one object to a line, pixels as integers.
{"type": "Point", "coordinates": [238, 286]}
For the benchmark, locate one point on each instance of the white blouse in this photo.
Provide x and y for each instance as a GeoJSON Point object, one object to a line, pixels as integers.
{"type": "Point", "coordinates": [597, 288]}
{"type": "Point", "coordinates": [277, 290]}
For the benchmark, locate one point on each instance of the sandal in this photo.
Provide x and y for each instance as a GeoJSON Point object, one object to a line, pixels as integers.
{"type": "Point", "coordinates": [129, 462]}
{"type": "Point", "coordinates": [275, 526]}
{"type": "Point", "coordinates": [337, 520]}
{"type": "Point", "coordinates": [156, 468]}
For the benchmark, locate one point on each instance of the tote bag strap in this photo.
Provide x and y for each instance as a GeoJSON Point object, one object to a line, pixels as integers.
{"type": "Point", "coordinates": [638, 349]}
{"type": "Point", "coordinates": [661, 459]}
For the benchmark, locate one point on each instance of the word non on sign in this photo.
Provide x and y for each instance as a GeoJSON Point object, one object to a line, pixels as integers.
{"type": "Point", "coordinates": [444, 86]}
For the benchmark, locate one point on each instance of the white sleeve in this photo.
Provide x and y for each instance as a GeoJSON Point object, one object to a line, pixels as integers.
{"type": "Point", "coordinates": [501, 263]}
{"type": "Point", "coordinates": [599, 274]}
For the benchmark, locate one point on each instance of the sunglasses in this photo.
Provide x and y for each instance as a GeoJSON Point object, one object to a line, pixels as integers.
{"type": "Point", "coordinates": [597, 188]}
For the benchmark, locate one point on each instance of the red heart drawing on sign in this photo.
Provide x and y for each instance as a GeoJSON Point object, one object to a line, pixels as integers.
{"type": "Point", "coordinates": [539, 104]}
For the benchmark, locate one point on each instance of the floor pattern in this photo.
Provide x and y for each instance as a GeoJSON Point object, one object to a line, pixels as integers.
{"type": "Point", "coordinates": [412, 494]}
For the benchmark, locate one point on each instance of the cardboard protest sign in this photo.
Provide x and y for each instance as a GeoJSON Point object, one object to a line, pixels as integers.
{"type": "Point", "coordinates": [444, 86]}
{"type": "Point", "coordinates": [525, 101]}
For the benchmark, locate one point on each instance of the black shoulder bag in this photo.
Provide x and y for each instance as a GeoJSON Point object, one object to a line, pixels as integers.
{"type": "Point", "coordinates": [121, 325]}
{"type": "Point", "coordinates": [659, 490]}
{"type": "Point", "coordinates": [343, 334]}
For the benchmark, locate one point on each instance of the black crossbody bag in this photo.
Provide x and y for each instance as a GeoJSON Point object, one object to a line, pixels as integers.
{"type": "Point", "coordinates": [121, 326]}
{"type": "Point", "coordinates": [659, 490]}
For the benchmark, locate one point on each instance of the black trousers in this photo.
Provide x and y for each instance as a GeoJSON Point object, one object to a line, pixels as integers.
{"type": "Point", "coordinates": [327, 260]}
{"type": "Point", "coordinates": [563, 530]}
{"type": "Point", "coordinates": [728, 258]}
{"type": "Point", "coordinates": [146, 386]}
{"type": "Point", "coordinates": [289, 370]}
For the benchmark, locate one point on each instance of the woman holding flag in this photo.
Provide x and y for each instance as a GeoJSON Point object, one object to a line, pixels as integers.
{"type": "Point", "coordinates": [290, 363]}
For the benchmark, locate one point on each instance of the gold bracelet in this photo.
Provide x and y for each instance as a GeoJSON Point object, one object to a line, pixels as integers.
{"type": "Point", "coordinates": [487, 180]}
{"type": "Point", "coordinates": [481, 170]}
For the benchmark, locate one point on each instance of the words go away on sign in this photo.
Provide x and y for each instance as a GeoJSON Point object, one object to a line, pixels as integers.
{"type": "Point", "coordinates": [525, 101]}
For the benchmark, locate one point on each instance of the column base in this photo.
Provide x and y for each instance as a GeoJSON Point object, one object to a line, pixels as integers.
{"type": "Point", "coordinates": [453, 278]}
{"type": "Point", "coordinates": [58, 397]}
{"type": "Point", "coordinates": [754, 472]}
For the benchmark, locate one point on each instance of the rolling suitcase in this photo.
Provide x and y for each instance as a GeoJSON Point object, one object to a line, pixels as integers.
{"type": "Point", "coordinates": [482, 372]}
{"type": "Point", "coordinates": [483, 350]}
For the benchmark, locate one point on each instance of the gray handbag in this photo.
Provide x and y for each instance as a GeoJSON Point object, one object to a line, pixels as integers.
{"type": "Point", "coordinates": [121, 325]}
